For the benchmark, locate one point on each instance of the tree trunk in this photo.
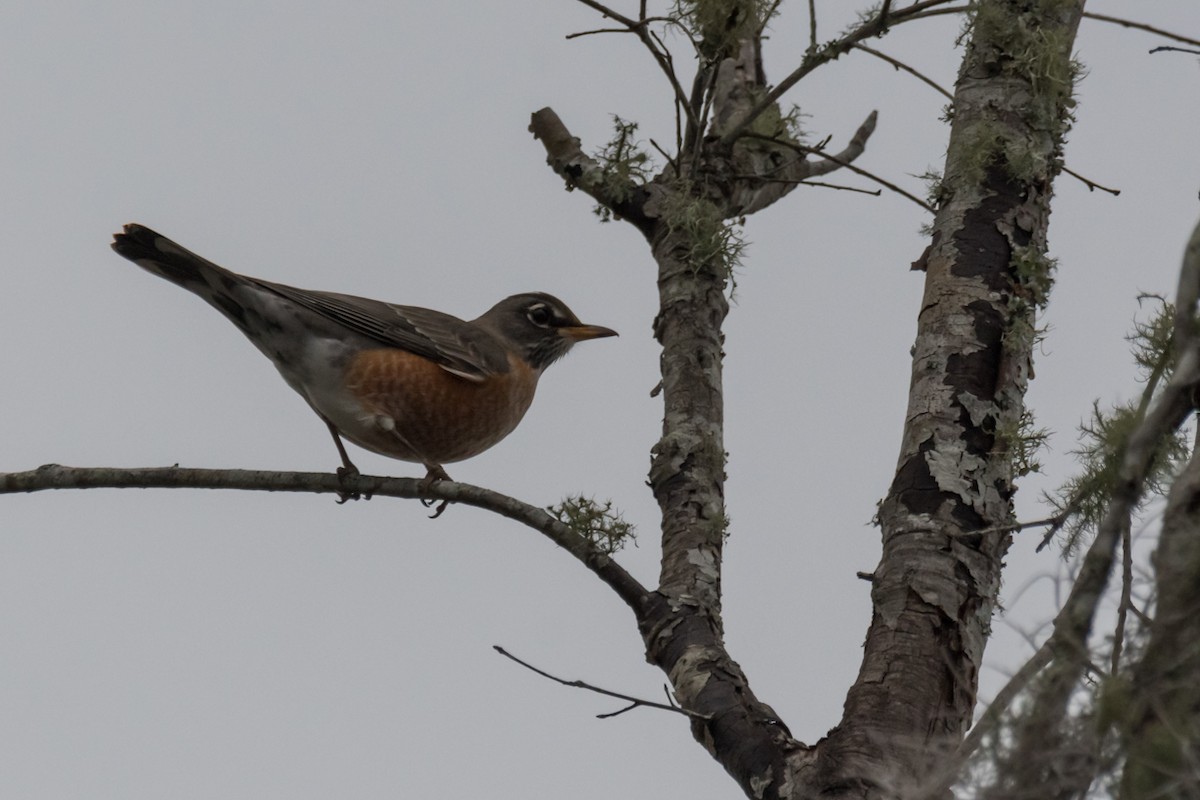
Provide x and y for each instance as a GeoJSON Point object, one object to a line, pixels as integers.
{"type": "Point", "coordinates": [935, 589]}
{"type": "Point", "coordinates": [986, 273]}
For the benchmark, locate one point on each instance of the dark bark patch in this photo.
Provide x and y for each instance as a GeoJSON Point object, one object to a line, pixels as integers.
{"type": "Point", "coordinates": [983, 251]}
{"type": "Point", "coordinates": [914, 486]}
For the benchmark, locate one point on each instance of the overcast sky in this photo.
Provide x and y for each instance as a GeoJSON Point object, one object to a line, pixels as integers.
{"type": "Point", "coordinates": [191, 644]}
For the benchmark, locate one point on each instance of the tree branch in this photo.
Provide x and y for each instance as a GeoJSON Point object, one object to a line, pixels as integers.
{"type": "Point", "coordinates": [900, 65]}
{"type": "Point", "coordinates": [661, 55]}
{"type": "Point", "coordinates": [635, 701]}
{"type": "Point", "coordinates": [1141, 26]}
{"type": "Point", "coordinates": [1038, 735]}
{"type": "Point", "coordinates": [827, 52]}
{"type": "Point", "coordinates": [565, 156]}
{"type": "Point", "coordinates": [844, 159]}
{"type": "Point", "coordinates": [55, 476]}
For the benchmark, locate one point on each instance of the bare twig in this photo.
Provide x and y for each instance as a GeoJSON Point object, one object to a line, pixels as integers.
{"type": "Point", "coordinates": [941, 12]}
{"type": "Point", "coordinates": [662, 57]}
{"type": "Point", "coordinates": [766, 18]}
{"type": "Point", "coordinates": [900, 65]}
{"type": "Point", "coordinates": [55, 476]}
{"type": "Point", "coordinates": [593, 32]}
{"type": "Point", "coordinates": [812, 26]}
{"type": "Point", "coordinates": [822, 55]}
{"type": "Point", "coordinates": [884, 8]}
{"type": "Point", "coordinates": [1169, 49]}
{"type": "Point", "coordinates": [1126, 601]}
{"type": "Point", "coordinates": [840, 187]}
{"type": "Point", "coordinates": [1056, 521]}
{"type": "Point", "coordinates": [1092, 185]}
{"type": "Point", "coordinates": [633, 701]}
{"type": "Point", "coordinates": [1141, 26]}
{"type": "Point", "coordinates": [608, 12]}
{"type": "Point", "coordinates": [642, 21]}
{"type": "Point", "coordinates": [833, 162]}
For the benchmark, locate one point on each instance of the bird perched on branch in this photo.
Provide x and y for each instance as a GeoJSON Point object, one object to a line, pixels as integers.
{"type": "Point", "coordinates": [405, 382]}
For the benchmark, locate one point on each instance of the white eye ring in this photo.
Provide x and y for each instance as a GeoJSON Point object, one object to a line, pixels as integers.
{"type": "Point", "coordinates": [539, 315]}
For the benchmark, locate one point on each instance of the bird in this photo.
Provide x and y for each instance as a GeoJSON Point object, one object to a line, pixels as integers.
{"type": "Point", "coordinates": [411, 383]}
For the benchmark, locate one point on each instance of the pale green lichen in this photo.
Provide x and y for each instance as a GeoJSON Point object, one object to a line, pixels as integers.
{"type": "Point", "coordinates": [624, 166]}
{"type": "Point", "coordinates": [1084, 498]}
{"type": "Point", "coordinates": [599, 523]}
{"type": "Point", "coordinates": [712, 242]}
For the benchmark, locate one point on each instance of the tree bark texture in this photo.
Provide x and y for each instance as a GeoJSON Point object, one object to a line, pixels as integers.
{"type": "Point", "coordinates": [935, 589]}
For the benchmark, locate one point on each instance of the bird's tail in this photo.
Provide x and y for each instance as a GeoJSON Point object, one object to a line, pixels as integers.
{"type": "Point", "coordinates": [156, 253]}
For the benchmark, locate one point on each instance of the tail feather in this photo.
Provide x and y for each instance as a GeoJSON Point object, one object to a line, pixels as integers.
{"type": "Point", "coordinates": [156, 253]}
{"type": "Point", "coordinates": [216, 285]}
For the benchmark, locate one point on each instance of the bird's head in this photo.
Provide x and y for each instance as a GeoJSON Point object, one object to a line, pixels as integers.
{"type": "Point", "coordinates": [539, 326]}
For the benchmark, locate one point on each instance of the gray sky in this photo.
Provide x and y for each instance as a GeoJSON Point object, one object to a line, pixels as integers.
{"type": "Point", "coordinates": [221, 644]}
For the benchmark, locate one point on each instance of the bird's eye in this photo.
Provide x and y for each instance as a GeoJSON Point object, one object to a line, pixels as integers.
{"type": "Point", "coordinates": [539, 315]}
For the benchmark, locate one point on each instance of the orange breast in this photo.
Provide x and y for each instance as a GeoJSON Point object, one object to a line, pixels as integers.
{"type": "Point", "coordinates": [438, 418]}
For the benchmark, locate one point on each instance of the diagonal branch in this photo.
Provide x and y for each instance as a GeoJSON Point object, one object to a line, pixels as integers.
{"type": "Point", "coordinates": [577, 684]}
{"type": "Point", "coordinates": [830, 51]}
{"type": "Point", "coordinates": [1141, 26]}
{"type": "Point", "coordinates": [55, 476]}
{"type": "Point", "coordinates": [843, 160]}
{"type": "Point", "coordinates": [662, 57]}
{"type": "Point", "coordinates": [565, 155]}
{"type": "Point", "coordinates": [900, 65]}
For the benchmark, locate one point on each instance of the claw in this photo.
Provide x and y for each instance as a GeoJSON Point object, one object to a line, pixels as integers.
{"type": "Point", "coordinates": [435, 473]}
{"type": "Point", "coordinates": [343, 473]}
{"type": "Point", "coordinates": [347, 470]}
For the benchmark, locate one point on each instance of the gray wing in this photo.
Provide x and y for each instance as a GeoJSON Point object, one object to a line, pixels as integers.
{"type": "Point", "coordinates": [448, 341]}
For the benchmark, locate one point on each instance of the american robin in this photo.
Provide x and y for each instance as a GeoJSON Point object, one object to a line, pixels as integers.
{"type": "Point", "coordinates": [405, 382]}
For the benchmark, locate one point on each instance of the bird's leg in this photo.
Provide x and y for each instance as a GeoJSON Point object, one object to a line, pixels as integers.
{"type": "Point", "coordinates": [434, 474]}
{"type": "Point", "coordinates": [347, 470]}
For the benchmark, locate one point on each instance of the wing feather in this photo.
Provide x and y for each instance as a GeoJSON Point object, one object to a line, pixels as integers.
{"type": "Point", "coordinates": [455, 345]}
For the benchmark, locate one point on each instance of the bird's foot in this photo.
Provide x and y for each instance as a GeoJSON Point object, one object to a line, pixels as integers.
{"type": "Point", "coordinates": [435, 473]}
{"type": "Point", "coordinates": [349, 472]}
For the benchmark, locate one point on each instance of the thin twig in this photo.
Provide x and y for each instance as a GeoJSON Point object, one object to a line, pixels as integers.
{"type": "Point", "coordinates": [1092, 185]}
{"type": "Point", "coordinates": [766, 18]}
{"type": "Point", "coordinates": [840, 187]}
{"type": "Point", "coordinates": [844, 163]}
{"type": "Point", "coordinates": [1126, 600]}
{"type": "Point", "coordinates": [1141, 26]}
{"type": "Point", "coordinates": [884, 8]}
{"type": "Point", "coordinates": [1170, 49]}
{"type": "Point", "coordinates": [806, 182]}
{"type": "Point", "coordinates": [608, 12]}
{"type": "Point", "coordinates": [1057, 519]}
{"type": "Point", "coordinates": [642, 21]}
{"type": "Point", "coordinates": [641, 29]}
{"type": "Point", "coordinates": [900, 65]}
{"type": "Point", "coordinates": [941, 12]}
{"type": "Point", "coordinates": [822, 55]}
{"type": "Point", "coordinates": [633, 701]}
{"type": "Point", "coordinates": [812, 26]}
{"type": "Point", "coordinates": [662, 152]}
{"type": "Point", "coordinates": [581, 34]}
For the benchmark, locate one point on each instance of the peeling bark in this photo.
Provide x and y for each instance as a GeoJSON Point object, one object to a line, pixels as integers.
{"type": "Point", "coordinates": [936, 586]}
